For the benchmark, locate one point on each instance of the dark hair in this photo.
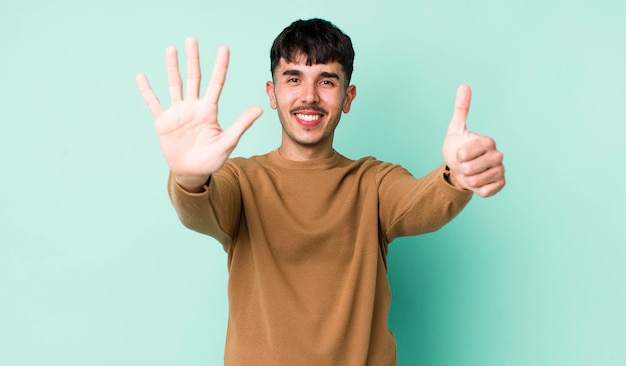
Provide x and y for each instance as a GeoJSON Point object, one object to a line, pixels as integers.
{"type": "Point", "coordinates": [318, 39]}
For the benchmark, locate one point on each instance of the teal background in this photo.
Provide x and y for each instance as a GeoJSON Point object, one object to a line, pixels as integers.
{"type": "Point", "coordinates": [95, 268]}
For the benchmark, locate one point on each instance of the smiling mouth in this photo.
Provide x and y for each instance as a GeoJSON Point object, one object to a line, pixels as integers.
{"type": "Point", "coordinates": [308, 117]}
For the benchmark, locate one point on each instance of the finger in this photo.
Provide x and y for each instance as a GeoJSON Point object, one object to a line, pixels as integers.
{"type": "Point", "coordinates": [477, 145]}
{"type": "Point", "coordinates": [245, 120]}
{"type": "Point", "coordinates": [193, 68]}
{"type": "Point", "coordinates": [173, 74]}
{"type": "Point", "coordinates": [489, 161]}
{"type": "Point", "coordinates": [218, 76]}
{"type": "Point", "coordinates": [491, 188]}
{"type": "Point", "coordinates": [484, 178]}
{"type": "Point", "coordinates": [148, 95]}
{"type": "Point", "coordinates": [461, 109]}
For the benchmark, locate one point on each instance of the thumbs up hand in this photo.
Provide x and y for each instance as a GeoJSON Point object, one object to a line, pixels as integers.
{"type": "Point", "coordinates": [475, 163]}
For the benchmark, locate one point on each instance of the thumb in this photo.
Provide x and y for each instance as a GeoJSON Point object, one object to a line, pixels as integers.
{"type": "Point", "coordinates": [245, 120]}
{"type": "Point", "coordinates": [461, 109]}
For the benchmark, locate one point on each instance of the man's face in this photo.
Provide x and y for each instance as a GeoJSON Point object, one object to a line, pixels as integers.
{"type": "Point", "coordinates": [309, 100]}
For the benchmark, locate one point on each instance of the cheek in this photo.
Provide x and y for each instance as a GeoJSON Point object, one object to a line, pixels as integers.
{"type": "Point", "coordinates": [282, 98]}
{"type": "Point", "coordinates": [332, 101]}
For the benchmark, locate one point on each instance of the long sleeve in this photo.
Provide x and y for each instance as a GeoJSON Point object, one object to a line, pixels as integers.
{"type": "Point", "coordinates": [216, 211]}
{"type": "Point", "coordinates": [410, 206]}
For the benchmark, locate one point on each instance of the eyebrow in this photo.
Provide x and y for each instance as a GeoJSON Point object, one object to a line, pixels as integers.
{"type": "Point", "coordinates": [295, 72]}
{"type": "Point", "coordinates": [327, 74]}
{"type": "Point", "coordinates": [292, 72]}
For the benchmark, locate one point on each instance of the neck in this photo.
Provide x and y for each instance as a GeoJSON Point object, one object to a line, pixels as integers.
{"type": "Point", "coordinates": [305, 153]}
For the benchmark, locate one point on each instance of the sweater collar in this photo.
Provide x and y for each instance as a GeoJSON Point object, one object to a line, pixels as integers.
{"type": "Point", "coordinates": [317, 164]}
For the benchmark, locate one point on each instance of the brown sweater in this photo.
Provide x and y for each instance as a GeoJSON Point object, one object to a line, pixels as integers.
{"type": "Point", "coordinates": [307, 245]}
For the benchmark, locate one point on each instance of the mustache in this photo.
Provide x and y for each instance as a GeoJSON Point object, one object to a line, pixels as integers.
{"type": "Point", "coordinates": [309, 108]}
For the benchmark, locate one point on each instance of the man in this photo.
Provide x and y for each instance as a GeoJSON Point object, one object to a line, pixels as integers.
{"type": "Point", "coordinates": [306, 229]}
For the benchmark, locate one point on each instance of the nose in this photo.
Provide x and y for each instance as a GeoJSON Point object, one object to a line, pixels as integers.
{"type": "Point", "coordinates": [310, 93]}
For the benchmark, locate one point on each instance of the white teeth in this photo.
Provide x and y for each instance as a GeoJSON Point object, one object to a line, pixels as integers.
{"type": "Point", "coordinates": [308, 117]}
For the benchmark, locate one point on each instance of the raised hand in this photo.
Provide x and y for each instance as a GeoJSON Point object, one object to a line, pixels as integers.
{"type": "Point", "coordinates": [475, 163]}
{"type": "Point", "coordinates": [191, 139]}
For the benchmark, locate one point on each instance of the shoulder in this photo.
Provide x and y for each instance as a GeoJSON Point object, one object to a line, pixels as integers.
{"type": "Point", "coordinates": [240, 163]}
{"type": "Point", "coordinates": [253, 168]}
{"type": "Point", "coordinates": [374, 170]}
{"type": "Point", "coordinates": [371, 163]}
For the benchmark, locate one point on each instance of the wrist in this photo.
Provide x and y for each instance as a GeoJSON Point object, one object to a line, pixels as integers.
{"type": "Point", "coordinates": [192, 183]}
{"type": "Point", "coordinates": [451, 178]}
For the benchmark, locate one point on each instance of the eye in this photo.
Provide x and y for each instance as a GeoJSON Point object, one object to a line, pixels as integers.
{"type": "Point", "coordinates": [327, 82]}
{"type": "Point", "coordinates": [293, 80]}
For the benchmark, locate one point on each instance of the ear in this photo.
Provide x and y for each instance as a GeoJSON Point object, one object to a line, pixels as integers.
{"type": "Point", "coordinates": [269, 89]}
{"type": "Point", "coordinates": [350, 95]}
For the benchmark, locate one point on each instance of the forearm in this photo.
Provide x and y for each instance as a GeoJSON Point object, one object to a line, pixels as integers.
{"type": "Point", "coordinates": [214, 210]}
{"type": "Point", "coordinates": [192, 183]}
{"type": "Point", "coordinates": [425, 205]}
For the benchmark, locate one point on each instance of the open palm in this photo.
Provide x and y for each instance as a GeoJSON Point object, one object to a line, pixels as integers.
{"type": "Point", "coordinates": [191, 139]}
